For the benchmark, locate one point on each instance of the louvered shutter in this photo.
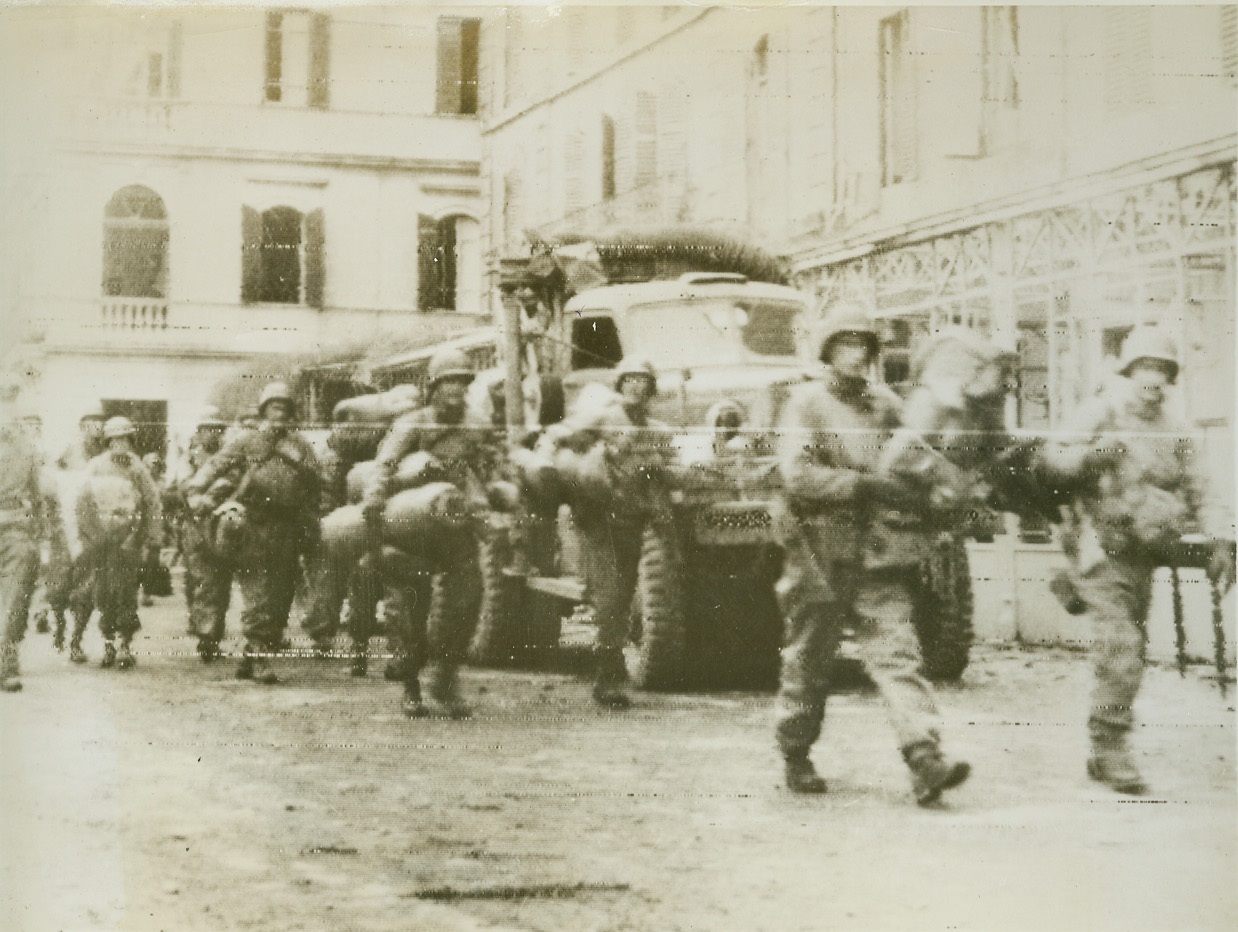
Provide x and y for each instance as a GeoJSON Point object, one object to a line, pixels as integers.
{"type": "Point", "coordinates": [315, 259]}
{"type": "Point", "coordinates": [646, 149]}
{"type": "Point", "coordinates": [574, 172]}
{"type": "Point", "coordinates": [251, 255]}
{"type": "Point", "coordinates": [274, 56]}
{"type": "Point", "coordinates": [447, 94]}
{"type": "Point", "coordinates": [319, 95]}
{"type": "Point", "coordinates": [427, 271]}
{"type": "Point", "coordinates": [1128, 41]}
{"type": "Point", "coordinates": [1229, 40]}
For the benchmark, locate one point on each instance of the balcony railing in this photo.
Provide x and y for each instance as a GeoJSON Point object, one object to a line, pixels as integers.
{"type": "Point", "coordinates": [135, 313]}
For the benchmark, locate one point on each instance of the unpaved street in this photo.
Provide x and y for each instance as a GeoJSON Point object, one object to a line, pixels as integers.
{"type": "Point", "coordinates": [174, 797]}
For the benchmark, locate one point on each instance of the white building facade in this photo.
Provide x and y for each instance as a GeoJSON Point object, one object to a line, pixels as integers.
{"type": "Point", "coordinates": [206, 188]}
{"type": "Point", "coordinates": [1050, 175]}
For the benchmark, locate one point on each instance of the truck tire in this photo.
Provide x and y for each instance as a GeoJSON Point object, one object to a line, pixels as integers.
{"type": "Point", "coordinates": [943, 611]}
{"type": "Point", "coordinates": [660, 650]}
{"type": "Point", "coordinates": [497, 638]}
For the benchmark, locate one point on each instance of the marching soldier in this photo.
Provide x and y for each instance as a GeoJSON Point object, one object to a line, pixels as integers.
{"type": "Point", "coordinates": [616, 462]}
{"type": "Point", "coordinates": [117, 518]}
{"type": "Point", "coordinates": [831, 436]}
{"type": "Point", "coordinates": [76, 590]}
{"type": "Point", "coordinates": [55, 574]}
{"type": "Point", "coordinates": [208, 579]}
{"type": "Point", "coordinates": [264, 485]}
{"type": "Point", "coordinates": [455, 447]}
{"type": "Point", "coordinates": [1141, 495]}
{"type": "Point", "coordinates": [19, 536]}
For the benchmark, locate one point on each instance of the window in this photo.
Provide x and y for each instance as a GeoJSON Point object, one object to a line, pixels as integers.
{"type": "Point", "coordinates": [448, 263]}
{"type": "Point", "coordinates": [457, 65]}
{"type": "Point", "coordinates": [1229, 40]}
{"type": "Point", "coordinates": [1000, 30]}
{"type": "Point", "coordinates": [282, 256]}
{"type": "Point", "coordinates": [298, 58]}
{"type": "Point", "coordinates": [646, 140]}
{"type": "Point", "coordinates": [135, 245]}
{"type": "Point", "coordinates": [595, 343]}
{"type": "Point", "coordinates": [1128, 47]}
{"type": "Point", "coordinates": [898, 101]}
{"type": "Point", "coordinates": [608, 158]}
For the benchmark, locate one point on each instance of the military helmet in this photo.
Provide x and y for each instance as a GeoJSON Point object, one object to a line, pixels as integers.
{"type": "Point", "coordinates": [448, 364]}
{"type": "Point", "coordinates": [846, 318]}
{"type": "Point", "coordinates": [1149, 342]}
{"type": "Point", "coordinates": [276, 391]}
{"type": "Point", "coordinates": [117, 427]}
{"type": "Point", "coordinates": [631, 367]}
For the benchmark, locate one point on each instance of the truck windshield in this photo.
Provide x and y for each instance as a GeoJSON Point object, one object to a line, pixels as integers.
{"type": "Point", "coordinates": [713, 331]}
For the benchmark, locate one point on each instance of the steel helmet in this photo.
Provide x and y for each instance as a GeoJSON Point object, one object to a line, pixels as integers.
{"type": "Point", "coordinates": [117, 427]}
{"type": "Point", "coordinates": [635, 367]}
{"type": "Point", "coordinates": [846, 318]}
{"type": "Point", "coordinates": [448, 364]}
{"type": "Point", "coordinates": [1148, 342]}
{"type": "Point", "coordinates": [276, 391]}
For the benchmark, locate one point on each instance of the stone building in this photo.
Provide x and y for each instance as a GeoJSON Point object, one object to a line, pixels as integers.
{"type": "Point", "coordinates": [190, 191]}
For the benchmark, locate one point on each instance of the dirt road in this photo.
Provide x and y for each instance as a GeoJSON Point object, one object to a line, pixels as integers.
{"type": "Point", "coordinates": [174, 797]}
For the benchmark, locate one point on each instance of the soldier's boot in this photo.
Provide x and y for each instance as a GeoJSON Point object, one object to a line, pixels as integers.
{"type": "Point", "coordinates": [10, 669]}
{"type": "Point", "coordinates": [41, 624]}
{"type": "Point", "coordinates": [931, 772]}
{"type": "Point", "coordinates": [208, 649]}
{"type": "Point", "coordinates": [124, 656]}
{"type": "Point", "coordinates": [802, 776]}
{"type": "Point", "coordinates": [411, 704]}
{"type": "Point", "coordinates": [444, 688]}
{"type": "Point", "coordinates": [360, 658]}
{"type": "Point", "coordinates": [397, 668]}
{"type": "Point", "coordinates": [255, 666]}
{"type": "Point", "coordinates": [109, 654]}
{"type": "Point", "coordinates": [76, 654]}
{"type": "Point", "coordinates": [608, 690]}
{"type": "Point", "coordinates": [1111, 762]}
{"type": "Point", "coordinates": [58, 633]}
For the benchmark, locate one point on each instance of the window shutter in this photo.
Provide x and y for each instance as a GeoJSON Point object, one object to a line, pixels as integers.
{"type": "Point", "coordinates": [315, 259]}
{"type": "Point", "coordinates": [447, 95]}
{"type": "Point", "coordinates": [427, 273]}
{"type": "Point", "coordinates": [646, 149]}
{"type": "Point", "coordinates": [251, 255]}
{"type": "Point", "coordinates": [274, 56]}
{"type": "Point", "coordinates": [608, 158]}
{"type": "Point", "coordinates": [320, 61]}
{"type": "Point", "coordinates": [1229, 40]}
{"type": "Point", "coordinates": [470, 44]}
{"type": "Point", "coordinates": [176, 43]}
{"type": "Point", "coordinates": [1129, 47]}
{"type": "Point", "coordinates": [574, 171]}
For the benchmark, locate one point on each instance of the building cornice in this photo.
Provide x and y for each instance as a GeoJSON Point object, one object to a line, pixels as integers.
{"type": "Point", "coordinates": [466, 167]}
{"type": "Point", "coordinates": [510, 116]}
{"type": "Point", "coordinates": [1046, 197]}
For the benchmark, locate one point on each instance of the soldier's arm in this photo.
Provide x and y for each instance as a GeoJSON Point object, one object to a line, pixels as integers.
{"type": "Point", "coordinates": [1072, 452]}
{"type": "Point", "coordinates": [151, 506]}
{"type": "Point", "coordinates": [229, 460]}
{"type": "Point", "coordinates": [804, 458]}
{"type": "Point", "coordinates": [403, 438]}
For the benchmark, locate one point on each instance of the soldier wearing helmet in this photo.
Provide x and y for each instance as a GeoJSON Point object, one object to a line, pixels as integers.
{"type": "Point", "coordinates": [263, 489]}
{"type": "Point", "coordinates": [455, 445]}
{"type": "Point", "coordinates": [616, 464]}
{"type": "Point", "coordinates": [831, 435]}
{"type": "Point", "coordinates": [19, 539]}
{"type": "Point", "coordinates": [118, 514]}
{"type": "Point", "coordinates": [1141, 494]}
{"type": "Point", "coordinates": [89, 443]}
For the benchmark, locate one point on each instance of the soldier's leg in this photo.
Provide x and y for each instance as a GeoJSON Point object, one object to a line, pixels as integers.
{"type": "Point", "coordinates": [812, 613]}
{"type": "Point", "coordinates": [887, 643]}
{"type": "Point", "coordinates": [452, 617]}
{"type": "Point", "coordinates": [364, 592]}
{"type": "Point", "coordinates": [610, 557]}
{"type": "Point", "coordinates": [19, 571]}
{"type": "Point", "coordinates": [1117, 595]}
{"type": "Point", "coordinates": [210, 581]}
{"type": "Point", "coordinates": [267, 577]}
{"type": "Point", "coordinates": [127, 576]}
{"type": "Point", "coordinates": [105, 592]}
{"type": "Point", "coordinates": [416, 595]}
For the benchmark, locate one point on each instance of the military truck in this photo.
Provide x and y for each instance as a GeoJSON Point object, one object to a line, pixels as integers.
{"type": "Point", "coordinates": [727, 349]}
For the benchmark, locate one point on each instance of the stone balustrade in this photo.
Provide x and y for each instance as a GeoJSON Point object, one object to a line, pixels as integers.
{"type": "Point", "coordinates": [135, 313]}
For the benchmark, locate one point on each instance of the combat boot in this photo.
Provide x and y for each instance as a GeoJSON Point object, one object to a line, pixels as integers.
{"type": "Point", "coordinates": [109, 655]}
{"type": "Point", "coordinates": [208, 649]}
{"type": "Point", "coordinates": [360, 659]}
{"type": "Point", "coordinates": [1111, 762]}
{"type": "Point", "coordinates": [10, 669]}
{"type": "Point", "coordinates": [124, 657]}
{"type": "Point", "coordinates": [445, 698]}
{"type": "Point", "coordinates": [41, 624]}
{"type": "Point", "coordinates": [802, 776]}
{"type": "Point", "coordinates": [608, 690]}
{"type": "Point", "coordinates": [76, 654]}
{"type": "Point", "coordinates": [411, 705]}
{"type": "Point", "coordinates": [932, 774]}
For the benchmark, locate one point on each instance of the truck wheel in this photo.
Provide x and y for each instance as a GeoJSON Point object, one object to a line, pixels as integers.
{"type": "Point", "coordinates": [497, 640]}
{"type": "Point", "coordinates": [660, 651]}
{"type": "Point", "coordinates": [943, 612]}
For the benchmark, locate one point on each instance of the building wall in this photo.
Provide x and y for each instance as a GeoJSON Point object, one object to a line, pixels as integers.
{"type": "Point", "coordinates": [178, 103]}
